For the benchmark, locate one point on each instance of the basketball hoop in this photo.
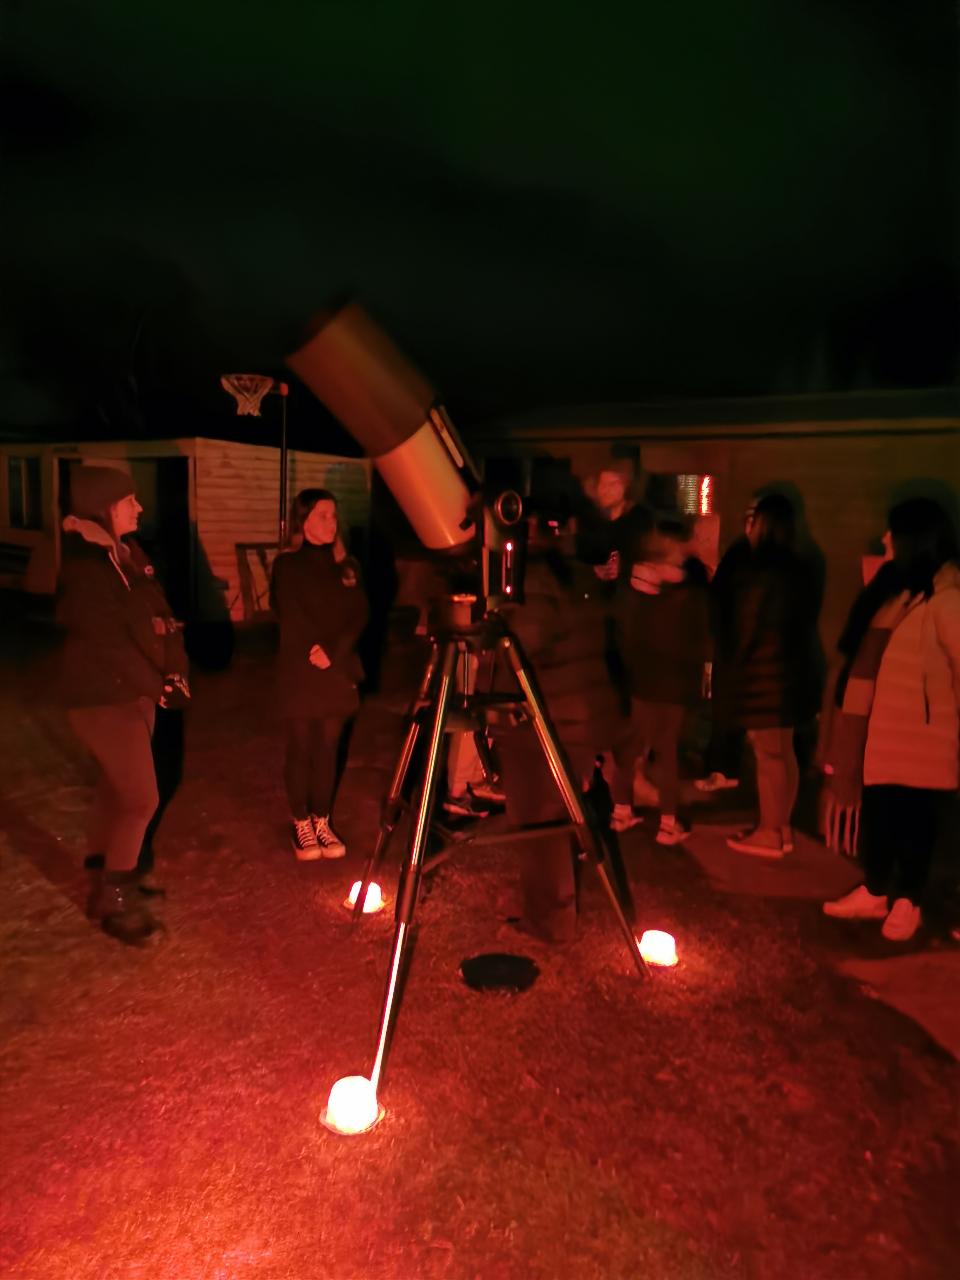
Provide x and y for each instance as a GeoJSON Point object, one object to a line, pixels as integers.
{"type": "Point", "coordinates": [248, 389]}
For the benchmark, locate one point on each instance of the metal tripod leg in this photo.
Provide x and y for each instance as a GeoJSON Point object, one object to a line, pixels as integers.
{"type": "Point", "coordinates": [392, 807]}
{"type": "Point", "coordinates": [587, 837]}
{"type": "Point", "coordinates": [410, 876]}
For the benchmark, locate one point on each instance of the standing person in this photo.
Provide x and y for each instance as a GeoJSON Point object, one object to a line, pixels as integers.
{"type": "Point", "coordinates": [665, 641]}
{"type": "Point", "coordinates": [561, 630]}
{"type": "Point", "coordinates": [772, 616]}
{"type": "Point", "coordinates": [725, 748]}
{"type": "Point", "coordinates": [122, 655]}
{"type": "Point", "coordinates": [896, 739]}
{"type": "Point", "coordinates": [322, 609]}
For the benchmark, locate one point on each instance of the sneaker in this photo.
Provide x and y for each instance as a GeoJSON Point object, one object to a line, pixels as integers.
{"type": "Point", "coordinates": [466, 806]}
{"type": "Point", "coordinates": [672, 833]}
{"type": "Point", "coordinates": [491, 792]}
{"type": "Point", "coordinates": [304, 840]}
{"type": "Point", "coordinates": [623, 818]}
{"type": "Point", "coordinates": [786, 837]}
{"type": "Point", "coordinates": [331, 846]}
{"type": "Point", "coordinates": [759, 844]}
{"type": "Point", "coordinates": [902, 922]}
{"type": "Point", "coordinates": [859, 904]}
{"type": "Point", "coordinates": [716, 782]}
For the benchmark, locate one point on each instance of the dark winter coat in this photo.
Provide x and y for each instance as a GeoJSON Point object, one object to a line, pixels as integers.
{"type": "Point", "coordinates": [121, 638]}
{"type": "Point", "coordinates": [665, 639]}
{"type": "Point", "coordinates": [766, 625]}
{"type": "Point", "coordinates": [561, 628]}
{"type": "Point", "coordinates": [318, 601]}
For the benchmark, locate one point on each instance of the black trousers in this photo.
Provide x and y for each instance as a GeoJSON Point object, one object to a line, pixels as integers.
{"type": "Point", "coordinates": [898, 834]}
{"type": "Point", "coordinates": [310, 770]}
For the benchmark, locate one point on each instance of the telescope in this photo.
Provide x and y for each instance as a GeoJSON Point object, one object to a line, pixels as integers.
{"type": "Point", "coordinates": [394, 412]}
{"type": "Point", "coordinates": [398, 418]}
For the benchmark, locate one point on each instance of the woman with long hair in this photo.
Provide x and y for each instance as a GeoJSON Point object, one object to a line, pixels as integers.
{"type": "Point", "coordinates": [122, 656]}
{"type": "Point", "coordinates": [320, 604]}
{"type": "Point", "coordinates": [765, 647]}
{"type": "Point", "coordinates": [894, 749]}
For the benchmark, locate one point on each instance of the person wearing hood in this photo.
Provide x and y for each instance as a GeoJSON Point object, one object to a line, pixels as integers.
{"type": "Point", "coordinates": [122, 656]}
{"type": "Point", "coordinates": [321, 607]}
{"type": "Point", "coordinates": [892, 759]}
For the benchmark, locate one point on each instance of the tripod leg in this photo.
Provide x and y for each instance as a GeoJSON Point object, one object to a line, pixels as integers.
{"type": "Point", "coordinates": [392, 808]}
{"type": "Point", "coordinates": [410, 876]}
{"type": "Point", "coordinates": [587, 836]}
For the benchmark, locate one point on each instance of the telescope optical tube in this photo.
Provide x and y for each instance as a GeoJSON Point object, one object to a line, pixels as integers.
{"type": "Point", "coordinates": [391, 409]}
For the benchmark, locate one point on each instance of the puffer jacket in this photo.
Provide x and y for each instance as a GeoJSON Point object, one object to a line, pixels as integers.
{"type": "Point", "coordinates": [121, 638]}
{"type": "Point", "coordinates": [913, 736]}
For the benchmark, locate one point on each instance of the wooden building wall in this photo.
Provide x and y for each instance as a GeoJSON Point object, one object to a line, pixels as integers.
{"type": "Point", "coordinates": [236, 505]}
{"type": "Point", "coordinates": [843, 474]}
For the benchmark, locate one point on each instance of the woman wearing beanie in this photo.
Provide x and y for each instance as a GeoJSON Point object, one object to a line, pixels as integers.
{"type": "Point", "coordinates": [322, 610]}
{"type": "Point", "coordinates": [893, 757]}
{"type": "Point", "coordinates": [122, 655]}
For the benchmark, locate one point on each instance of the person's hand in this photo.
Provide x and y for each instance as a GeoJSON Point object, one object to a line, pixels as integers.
{"type": "Point", "coordinates": [318, 658]}
{"type": "Point", "coordinates": [609, 571]}
{"type": "Point", "coordinates": [840, 825]}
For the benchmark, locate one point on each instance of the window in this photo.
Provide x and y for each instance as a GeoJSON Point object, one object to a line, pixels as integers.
{"type": "Point", "coordinates": [23, 493]}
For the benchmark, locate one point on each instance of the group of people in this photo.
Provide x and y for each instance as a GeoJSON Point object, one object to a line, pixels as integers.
{"type": "Point", "coordinates": [627, 632]}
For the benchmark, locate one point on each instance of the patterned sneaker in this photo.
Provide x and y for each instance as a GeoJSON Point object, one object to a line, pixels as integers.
{"type": "Point", "coordinates": [902, 922]}
{"type": "Point", "coordinates": [331, 846]}
{"type": "Point", "coordinates": [491, 792]}
{"type": "Point", "coordinates": [466, 806]}
{"type": "Point", "coordinates": [859, 904]}
{"type": "Point", "coordinates": [672, 833]}
{"type": "Point", "coordinates": [304, 840]}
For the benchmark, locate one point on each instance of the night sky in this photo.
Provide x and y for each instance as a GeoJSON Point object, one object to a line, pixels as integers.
{"type": "Point", "coordinates": [545, 204]}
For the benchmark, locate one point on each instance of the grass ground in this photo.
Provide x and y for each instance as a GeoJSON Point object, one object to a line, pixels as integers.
{"type": "Point", "coordinates": [749, 1114]}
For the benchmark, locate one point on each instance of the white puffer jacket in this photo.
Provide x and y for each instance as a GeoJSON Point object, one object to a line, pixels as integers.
{"type": "Point", "coordinates": [913, 739]}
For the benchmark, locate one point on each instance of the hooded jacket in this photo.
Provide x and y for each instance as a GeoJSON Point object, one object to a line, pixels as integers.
{"type": "Point", "coordinates": [913, 736]}
{"type": "Point", "coordinates": [121, 638]}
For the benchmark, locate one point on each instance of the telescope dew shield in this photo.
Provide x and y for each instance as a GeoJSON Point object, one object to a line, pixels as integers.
{"type": "Point", "coordinates": [353, 368]}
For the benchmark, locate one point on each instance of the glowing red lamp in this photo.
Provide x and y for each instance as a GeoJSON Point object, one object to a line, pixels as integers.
{"type": "Point", "coordinates": [352, 1106]}
{"type": "Point", "coordinates": [658, 948]}
{"type": "Point", "coordinates": [372, 902]}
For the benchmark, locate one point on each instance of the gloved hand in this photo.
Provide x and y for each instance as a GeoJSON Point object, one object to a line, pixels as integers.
{"type": "Point", "coordinates": [176, 692]}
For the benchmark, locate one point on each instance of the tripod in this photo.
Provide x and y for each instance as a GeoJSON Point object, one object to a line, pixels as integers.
{"type": "Point", "coordinates": [432, 710]}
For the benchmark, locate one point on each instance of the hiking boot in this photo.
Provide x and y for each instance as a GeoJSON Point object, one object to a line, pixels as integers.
{"type": "Point", "coordinates": [759, 843]}
{"type": "Point", "coordinates": [488, 793]}
{"type": "Point", "coordinates": [466, 806]}
{"type": "Point", "coordinates": [672, 832]}
{"type": "Point", "coordinates": [623, 818]}
{"type": "Point", "coordinates": [121, 910]}
{"type": "Point", "coordinates": [304, 840]}
{"type": "Point", "coordinates": [716, 782]}
{"type": "Point", "coordinates": [859, 904]}
{"type": "Point", "coordinates": [902, 922]}
{"type": "Point", "coordinates": [330, 844]}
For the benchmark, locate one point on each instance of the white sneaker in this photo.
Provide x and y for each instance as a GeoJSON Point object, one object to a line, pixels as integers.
{"type": "Point", "coordinates": [624, 818]}
{"type": "Point", "coordinates": [716, 782]}
{"type": "Point", "coordinates": [859, 904]}
{"type": "Point", "coordinates": [672, 833]}
{"type": "Point", "coordinates": [330, 844]}
{"type": "Point", "coordinates": [304, 840]}
{"type": "Point", "coordinates": [902, 922]}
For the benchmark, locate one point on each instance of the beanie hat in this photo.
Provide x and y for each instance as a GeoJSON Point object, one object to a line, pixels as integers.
{"type": "Point", "coordinates": [94, 490]}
